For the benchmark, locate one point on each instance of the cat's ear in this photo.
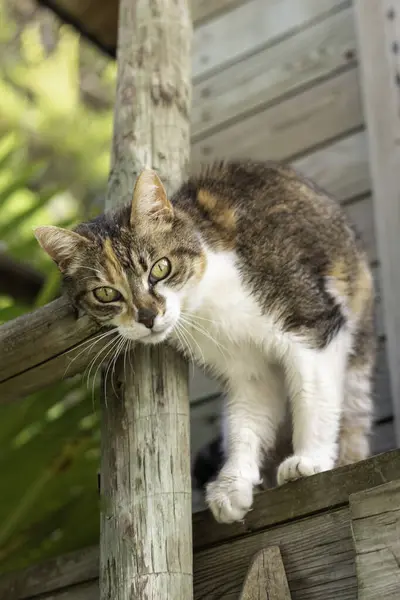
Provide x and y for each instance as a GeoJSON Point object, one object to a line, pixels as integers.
{"type": "Point", "coordinates": [149, 196]}
{"type": "Point", "coordinates": [60, 244]}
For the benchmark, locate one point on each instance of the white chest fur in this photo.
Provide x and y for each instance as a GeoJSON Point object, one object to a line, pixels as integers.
{"type": "Point", "coordinates": [224, 326]}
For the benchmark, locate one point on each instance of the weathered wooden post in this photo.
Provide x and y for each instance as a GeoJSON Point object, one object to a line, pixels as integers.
{"type": "Point", "coordinates": [146, 539]}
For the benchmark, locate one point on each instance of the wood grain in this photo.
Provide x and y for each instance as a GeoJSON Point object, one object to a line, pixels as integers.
{"type": "Point", "coordinates": [293, 127]}
{"type": "Point", "coordinates": [205, 10]}
{"type": "Point", "coordinates": [87, 591]}
{"type": "Point", "coordinates": [255, 23]}
{"type": "Point", "coordinates": [378, 30]}
{"type": "Point", "coordinates": [281, 506]}
{"type": "Point", "coordinates": [376, 531]}
{"type": "Point", "coordinates": [267, 76]}
{"type": "Point", "coordinates": [318, 554]}
{"type": "Point", "coordinates": [146, 509]}
{"type": "Point", "coordinates": [266, 578]}
{"type": "Point", "coordinates": [310, 495]}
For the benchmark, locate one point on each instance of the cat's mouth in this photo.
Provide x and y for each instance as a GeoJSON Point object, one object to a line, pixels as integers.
{"type": "Point", "coordinates": [155, 336]}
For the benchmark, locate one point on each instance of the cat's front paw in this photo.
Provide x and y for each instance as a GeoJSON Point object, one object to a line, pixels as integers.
{"type": "Point", "coordinates": [296, 467]}
{"type": "Point", "coordinates": [229, 498]}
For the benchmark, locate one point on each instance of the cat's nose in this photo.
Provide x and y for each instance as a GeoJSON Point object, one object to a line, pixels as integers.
{"type": "Point", "coordinates": [146, 317]}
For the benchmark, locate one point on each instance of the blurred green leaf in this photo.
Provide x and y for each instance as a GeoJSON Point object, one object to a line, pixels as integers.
{"type": "Point", "coordinates": [55, 131]}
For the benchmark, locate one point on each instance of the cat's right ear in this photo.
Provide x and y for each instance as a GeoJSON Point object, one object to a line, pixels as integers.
{"type": "Point", "coordinates": [149, 196]}
{"type": "Point", "coordinates": [60, 244]}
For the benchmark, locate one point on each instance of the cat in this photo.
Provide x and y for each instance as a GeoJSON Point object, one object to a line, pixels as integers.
{"type": "Point", "coordinates": [254, 272]}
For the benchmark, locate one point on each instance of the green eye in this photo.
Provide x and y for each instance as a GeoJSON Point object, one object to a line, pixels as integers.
{"type": "Point", "coordinates": [160, 270]}
{"type": "Point", "coordinates": [106, 294]}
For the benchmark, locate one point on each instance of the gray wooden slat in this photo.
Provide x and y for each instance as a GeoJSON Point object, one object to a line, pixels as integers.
{"type": "Point", "coordinates": [205, 10]}
{"type": "Point", "coordinates": [293, 127]}
{"type": "Point", "coordinates": [378, 26]}
{"type": "Point", "coordinates": [251, 25]}
{"type": "Point", "coordinates": [376, 531]}
{"type": "Point", "coordinates": [317, 552]}
{"type": "Point", "coordinates": [263, 78]}
{"type": "Point", "coordinates": [340, 168]}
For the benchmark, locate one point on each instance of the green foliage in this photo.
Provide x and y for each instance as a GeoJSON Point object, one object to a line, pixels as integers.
{"type": "Point", "coordinates": [55, 131]}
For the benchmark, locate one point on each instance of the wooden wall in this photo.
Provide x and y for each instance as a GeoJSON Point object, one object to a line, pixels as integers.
{"type": "Point", "coordinates": [279, 79]}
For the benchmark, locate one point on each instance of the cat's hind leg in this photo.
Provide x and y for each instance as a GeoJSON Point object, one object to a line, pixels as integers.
{"type": "Point", "coordinates": [357, 413]}
{"type": "Point", "coordinates": [316, 380]}
{"type": "Point", "coordinates": [253, 412]}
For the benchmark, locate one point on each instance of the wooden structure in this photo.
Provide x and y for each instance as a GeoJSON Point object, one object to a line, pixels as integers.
{"type": "Point", "coordinates": [337, 533]}
{"type": "Point", "coordinates": [298, 80]}
{"type": "Point", "coordinates": [145, 414]}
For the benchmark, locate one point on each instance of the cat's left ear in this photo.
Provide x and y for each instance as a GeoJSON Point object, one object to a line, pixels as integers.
{"type": "Point", "coordinates": [60, 244]}
{"type": "Point", "coordinates": [149, 196]}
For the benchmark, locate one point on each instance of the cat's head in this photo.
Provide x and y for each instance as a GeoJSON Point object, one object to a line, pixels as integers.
{"type": "Point", "coordinates": [134, 268]}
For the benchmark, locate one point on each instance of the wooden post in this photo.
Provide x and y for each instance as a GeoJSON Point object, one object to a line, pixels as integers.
{"type": "Point", "coordinates": [146, 519]}
{"type": "Point", "coordinates": [378, 26]}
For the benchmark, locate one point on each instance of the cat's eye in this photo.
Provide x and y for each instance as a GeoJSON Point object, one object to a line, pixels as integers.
{"type": "Point", "coordinates": [106, 294]}
{"type": "Point", "coordinates": [160, 270]}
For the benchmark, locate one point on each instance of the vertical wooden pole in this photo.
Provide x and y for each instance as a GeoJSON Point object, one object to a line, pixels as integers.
{"type": "Point", "coordinates": [378, 27]}
{"type": "Point", "coordinates": [146, 520]}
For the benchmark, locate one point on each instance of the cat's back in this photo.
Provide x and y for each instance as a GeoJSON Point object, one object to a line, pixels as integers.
{"type": "Point", "coordinates": [297, 253]}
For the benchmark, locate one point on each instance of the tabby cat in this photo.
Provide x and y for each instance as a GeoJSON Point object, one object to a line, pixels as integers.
{"type": "Point", "coordinates": [254, 272]}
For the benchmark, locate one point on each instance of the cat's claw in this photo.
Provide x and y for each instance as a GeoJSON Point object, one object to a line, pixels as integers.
{"type": "Point", "coordinates": [229, 498]}
{"type": "Point", "coordinates": [296, 467]}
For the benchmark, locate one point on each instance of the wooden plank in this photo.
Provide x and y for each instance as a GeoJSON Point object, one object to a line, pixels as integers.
{"type": "Point", "coordinates": [376, 531]}
{"type": "Point", "coordinates": [266, 578]}
{"type": "Point", "coordinates": [255, 23]}
{"type": "Point", "coordinates": [263, 78]}
{"type": "Point", "coordinates": [64, 349]}
{"type": "Point", "coordinates": [340, 168]}
{"type": "Point", "coordinates": [378, 26]}
{"type": "Point", "coordinates": [87, 591]}
{"type": "Point", "coordinates": [301, 498]}
{"type": "Point", "coordinates": [318, 555]}
{"type": "Point", "coordinates": [325, 491]}
{"type": "Point", "coordinates": [315, 116]}
{"type": "Point", "coordinates": [79, 567]}
{"type": "Point", "coordinates": [205, 10]}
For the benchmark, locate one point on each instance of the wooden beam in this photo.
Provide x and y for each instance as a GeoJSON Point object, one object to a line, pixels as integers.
{"type": "Point", "coordinates": [266, 578]}
{"type": "Point", "coordinates": [42, 347]}
{"type": "Point", "coordinates": [146, 524]}
{"type": "Point", "coordinates": [378, 27]}
{"type": "Point", "coordinates": [375, 526]}
{"type": "Point", "coordinates": [281, 506]}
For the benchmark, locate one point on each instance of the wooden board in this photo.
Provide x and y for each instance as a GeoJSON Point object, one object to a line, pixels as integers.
{"type": "Point", "coordinates": [205, 10]}
{"type": "Point", "coordinates": [341, 168]}
{"type": "Point", "coordinates": [265, 77]}
{"type": "Point", "coordinates": [87, 591]}
{"type": "Point", "coordinates": [255, 23]}
{"type": "Point", "coordinates": [376, 530]}
{"type": "Point", "coordinates": [317, 552]}
{"type": "Point", "coordinates": [293, 127]}
{"type": "Point", "coordinates": [326, 491]}
{"type": "Point", "coordinates": [266, 578]}
{"type": "Point", "coordinates": [378, 26]}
